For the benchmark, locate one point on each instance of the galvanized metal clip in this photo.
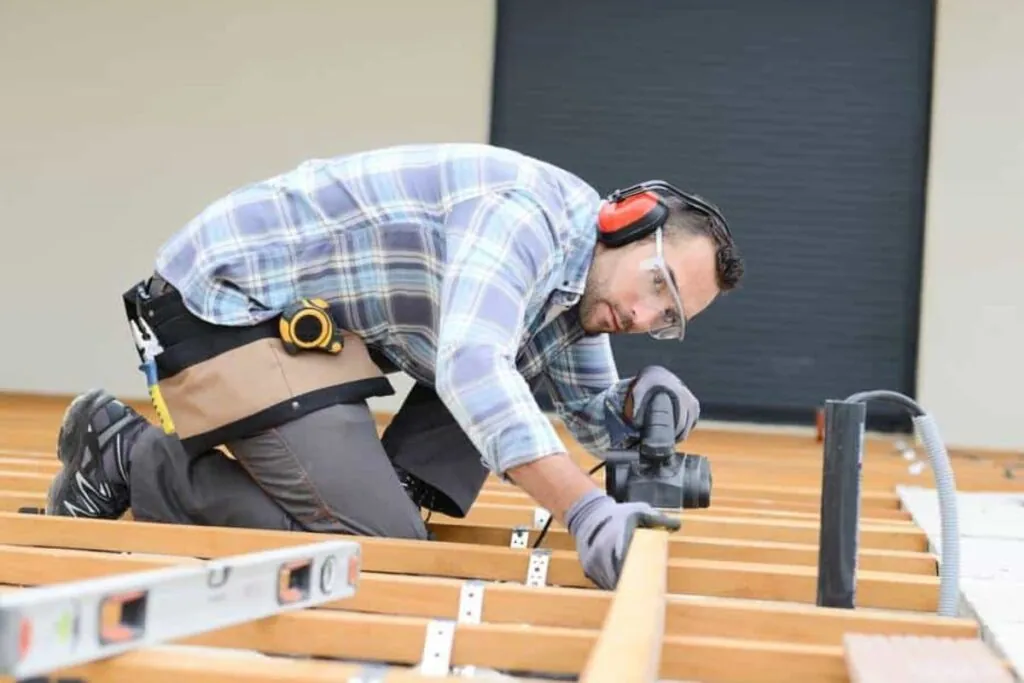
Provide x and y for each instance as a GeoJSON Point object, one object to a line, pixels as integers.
{"type": "Point", "coordinates": [537, 571]}
{"type": "Point", "coordinates": [436, 659]}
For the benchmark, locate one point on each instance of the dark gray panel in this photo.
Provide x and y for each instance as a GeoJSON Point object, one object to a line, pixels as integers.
{"type": "Point", "coordinates": [806, 122]}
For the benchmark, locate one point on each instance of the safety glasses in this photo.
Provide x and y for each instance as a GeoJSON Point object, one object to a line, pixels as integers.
{"type": "Point", "coordinates": [663, 294]}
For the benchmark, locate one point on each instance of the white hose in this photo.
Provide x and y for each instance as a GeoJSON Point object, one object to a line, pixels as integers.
{"type": "Point", "coordinates": [949, 565]}
{"type": "Point", "coordinates": [945, 484]}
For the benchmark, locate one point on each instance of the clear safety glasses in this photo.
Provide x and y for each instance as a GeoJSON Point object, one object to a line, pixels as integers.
{"type": "Point", "coordinates": [663, 295]}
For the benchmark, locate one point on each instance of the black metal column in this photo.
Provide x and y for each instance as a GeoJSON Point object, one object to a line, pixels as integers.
{"type": "Point", "coordinates": [840, 503]}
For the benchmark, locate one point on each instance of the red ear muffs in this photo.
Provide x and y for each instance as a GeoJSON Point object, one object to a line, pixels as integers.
{"type": "Point", "coordinates": [620, 221]}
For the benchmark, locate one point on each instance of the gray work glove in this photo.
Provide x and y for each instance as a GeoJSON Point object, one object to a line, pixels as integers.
{"type": "Point", "coordinates": [603, 530]}
{"type": "Point", "coordinates": [687, 408]}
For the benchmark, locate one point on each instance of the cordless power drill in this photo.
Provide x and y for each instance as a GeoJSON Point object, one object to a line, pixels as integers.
{"type": "Point", "coordinates": [653, 472]}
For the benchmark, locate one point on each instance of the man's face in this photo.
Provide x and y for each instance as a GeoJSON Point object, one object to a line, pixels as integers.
{"type": "Point", "coordinates": [640, 287]}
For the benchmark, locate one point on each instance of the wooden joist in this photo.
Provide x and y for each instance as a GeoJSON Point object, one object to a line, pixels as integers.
{"type": "Point", "coordinates": [432, 595]}
{"type": "Point", "coordinates": [564, 622]}
{"type": "Point", "coordinates": [729, 597]}
{"type": "Point", "coordinates": [736, 542]}
{"type": "Point", "coordinates": [759, 581]}
{"type": "Point", "coordinates": [164, 664]}
{"type": "Point", "coordinates": [886, 536]}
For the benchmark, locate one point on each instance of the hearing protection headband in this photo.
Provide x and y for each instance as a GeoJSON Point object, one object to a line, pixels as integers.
{"type": "Point", "coordinates": [631, 213]}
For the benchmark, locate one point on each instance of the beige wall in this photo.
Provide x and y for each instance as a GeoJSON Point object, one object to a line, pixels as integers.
{"type": "Point", "coordinates": [119, 120]}
{"type": "Point", "coordinates": [971, 364]}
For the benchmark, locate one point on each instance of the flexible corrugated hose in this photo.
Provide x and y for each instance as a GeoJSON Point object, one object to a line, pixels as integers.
{"type": "Point", "coordinates": [949, 566]}
{"type": "Point", "coordinates": [945, 483]}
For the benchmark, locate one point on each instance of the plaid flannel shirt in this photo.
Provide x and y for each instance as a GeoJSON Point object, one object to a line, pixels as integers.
{"type": "Point", "coordinates": [460, 263]}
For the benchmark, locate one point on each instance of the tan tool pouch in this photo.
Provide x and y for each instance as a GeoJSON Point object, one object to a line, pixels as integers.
{"type": "Point", "coordinates": [224, 383]}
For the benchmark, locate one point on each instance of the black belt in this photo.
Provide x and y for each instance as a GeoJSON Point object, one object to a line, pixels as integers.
{"type": "Point", "coordinates": [157, 285]}
{"type": "Point", "coordinates": [185, 338]}
{"type": "Point", "coordinates": [216, 339]}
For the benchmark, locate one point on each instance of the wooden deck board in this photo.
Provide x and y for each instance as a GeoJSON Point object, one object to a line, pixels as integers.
{"type": "Point", "coordinates": [905, 659]}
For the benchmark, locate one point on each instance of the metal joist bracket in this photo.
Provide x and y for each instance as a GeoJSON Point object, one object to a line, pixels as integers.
{"type": "Point", "coordinates": [520, 537]}
{"type": "Point", "coordinates": [540, 517]}
{"type": "Point", "coordinates": [471, 607]}
{"type": "Point", "coordinates": [370, 673]}
{"type": "Point", "coordinates": [537, 570]}
{"type": "Point", "coordinates": [471, 602]}
{"type": "Point", "coordinates": [436, 659]}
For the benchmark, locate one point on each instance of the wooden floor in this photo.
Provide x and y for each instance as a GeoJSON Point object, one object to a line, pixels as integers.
{"type": "Point", "coordinates": [730, 597]}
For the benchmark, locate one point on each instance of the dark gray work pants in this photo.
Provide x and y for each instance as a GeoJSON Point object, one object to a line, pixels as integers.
{"type": "Point", "coordinates": [327, 471]}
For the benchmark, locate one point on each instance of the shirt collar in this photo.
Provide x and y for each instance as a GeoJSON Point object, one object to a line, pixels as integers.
{"type": "Point", "coordinates": [578, 259]}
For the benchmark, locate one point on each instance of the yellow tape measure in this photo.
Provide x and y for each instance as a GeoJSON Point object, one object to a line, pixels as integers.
{"type": "Point", "coordinates": [162, 413]}
{"type": "Point", "coordinates": [307, 325]}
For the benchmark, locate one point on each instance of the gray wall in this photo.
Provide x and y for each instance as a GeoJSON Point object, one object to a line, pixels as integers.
{"type": "Point", "coordinates": [807, 122]}
{"type": "Point", "coordinates": [120, 120]}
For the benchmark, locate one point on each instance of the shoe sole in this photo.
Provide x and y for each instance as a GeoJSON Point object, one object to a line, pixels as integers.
{"type": "Point", "coordinates": [71, 443]}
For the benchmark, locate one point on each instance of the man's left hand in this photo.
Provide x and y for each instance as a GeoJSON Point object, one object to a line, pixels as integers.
{"type": "Point", "coordinates": [687, 408]}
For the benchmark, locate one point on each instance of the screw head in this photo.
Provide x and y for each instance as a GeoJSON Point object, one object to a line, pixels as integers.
{"type": "Point", "coordinates": [327, 574]}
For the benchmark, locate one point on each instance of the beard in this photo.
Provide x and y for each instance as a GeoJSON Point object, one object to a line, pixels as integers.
{"type": "Point", "coordinates": [594, 312]}
{"type": "Point", "coordinates": [592, 302]}
{"type": "Point", "coordinates": [587, 307]}
{"type": "Point", "coordinates": [595, 307]}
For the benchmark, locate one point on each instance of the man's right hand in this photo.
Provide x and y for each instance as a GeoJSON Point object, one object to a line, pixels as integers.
{"type": "Point", "coordinates": [603, 530]}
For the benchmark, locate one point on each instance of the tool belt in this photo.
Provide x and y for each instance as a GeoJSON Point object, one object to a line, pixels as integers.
{"type": "Point", "coordinates": [222, 383]}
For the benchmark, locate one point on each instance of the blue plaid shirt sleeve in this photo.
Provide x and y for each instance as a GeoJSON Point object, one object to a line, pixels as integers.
{"type": "Point", "coordinates": [501, 253]}
{"type": "Point", "coordinates": [589, 395]}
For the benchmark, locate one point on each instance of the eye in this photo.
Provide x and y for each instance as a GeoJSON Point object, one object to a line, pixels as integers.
{"type": "Point", "coordinates": [659, 279]}
{"type": "Point", "coordinates": [671, 316]}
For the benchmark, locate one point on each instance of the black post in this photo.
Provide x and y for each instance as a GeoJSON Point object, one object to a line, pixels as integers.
{"type": "Point", "coordinates": [840, 503]}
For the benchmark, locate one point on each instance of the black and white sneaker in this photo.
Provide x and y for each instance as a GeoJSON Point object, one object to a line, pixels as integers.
{"type": "Point", "coordinates": [93, 448]}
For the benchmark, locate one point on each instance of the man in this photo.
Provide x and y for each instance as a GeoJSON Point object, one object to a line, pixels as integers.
{"type": "Point", "coordinates": [483, 273]}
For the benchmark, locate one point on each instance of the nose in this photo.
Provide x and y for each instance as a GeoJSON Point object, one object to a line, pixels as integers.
{"type": "Point", "coordinates": [645, 316]}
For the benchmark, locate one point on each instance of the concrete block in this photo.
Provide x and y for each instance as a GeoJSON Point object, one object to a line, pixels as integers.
{"type": "Point", "coordinates": [991, 561]}
{"type": "Point", "coordinates": [1008, 641]}
{"type": "Point", "coordinates": [998, 602]}
{"type": "Point", "coordinates": [981, 515]}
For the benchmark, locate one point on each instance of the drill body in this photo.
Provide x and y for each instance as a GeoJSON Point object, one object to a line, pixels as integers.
{"type": "Point", "coordinates": [654, 472]}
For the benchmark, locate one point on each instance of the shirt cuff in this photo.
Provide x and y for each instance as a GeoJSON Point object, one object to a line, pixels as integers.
{"type": "Point", "coordinates": [522, 443]}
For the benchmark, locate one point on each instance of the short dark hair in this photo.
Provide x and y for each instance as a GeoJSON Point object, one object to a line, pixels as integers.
{"type": "Point", "coordinates": [686, 220]}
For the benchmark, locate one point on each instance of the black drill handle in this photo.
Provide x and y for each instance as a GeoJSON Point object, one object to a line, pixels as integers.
{"type": "Point", "coordinates": [658, 428]}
